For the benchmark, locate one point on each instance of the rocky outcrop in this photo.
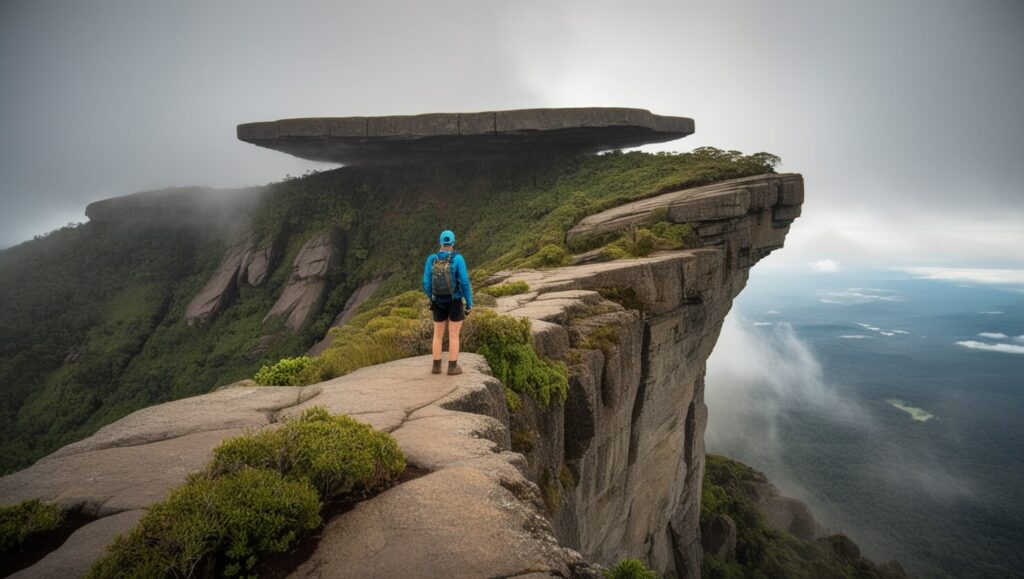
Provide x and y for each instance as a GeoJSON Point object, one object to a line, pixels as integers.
{"type": "Point", "coordinates": [303, 295]}
{"type": "Point", "coordinates": [782, 512]}
{"type": "Point", "coordinates": [243, 263]}
{"type": "Point", "coordinates": [718, 536]}
{"type": "Point", "coordinates": [473, 514]}
{"type": "Point", "coordinates": [448, 137]}
{"type": "Point", "coordinates": [353, 302]}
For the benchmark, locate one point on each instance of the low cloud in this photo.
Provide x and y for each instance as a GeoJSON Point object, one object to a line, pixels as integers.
{"type": "Point", "coordinates": [993, 335]}
{"type": "Point", "coordinates": [825, 266]}
{"type": "Point", "coordinates": [970, 274]}
{"type": "Point", "coordinates": [760, 378]}
{"type": "Point", "coordinates": [856, 295]}
{"type": "Point", "coordinates": [1004, 348]}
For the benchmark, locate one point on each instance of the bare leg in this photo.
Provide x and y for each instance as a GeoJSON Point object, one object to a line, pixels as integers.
{"type": "Point", "coordinates": [438, 337]}
{"type": "Point", "coordinates": [453, 341]}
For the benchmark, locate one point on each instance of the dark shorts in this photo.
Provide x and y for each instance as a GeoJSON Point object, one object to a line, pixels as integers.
{"type": "Point", "coordinates": [445, 308]}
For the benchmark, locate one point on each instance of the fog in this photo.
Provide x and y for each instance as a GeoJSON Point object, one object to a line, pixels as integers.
{"type": "Point", "coordinates": [763, 376]}
{"type": "Point", "coordinates": [902, 116]}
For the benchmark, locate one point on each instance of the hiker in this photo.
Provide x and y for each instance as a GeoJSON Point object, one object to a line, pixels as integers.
{"type": "Point", "coordinates": [446, 282]}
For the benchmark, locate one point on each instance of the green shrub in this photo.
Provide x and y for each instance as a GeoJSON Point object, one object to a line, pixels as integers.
{"type": "Point", "coordinates": [336, 454]}
{"type": "Point", "coordinates": [215, 527]}
{"type": "Point", "coordinates": [549, 256]}
{"type": "Point", "coordinates": [566, 478]}
{"type": "Point", "coordinates": [397, 327]}
{"type": "Point", "coordinates": [624, 296]}
{"type": "Point", "coordinates": [641, 241]}
{"type": "Point", "coordinates": [505, 342]}
{"type": "Point", "coordinates": [630, 569]}
{"type": "Point", "coordinates": [288, 372]}
{"type": "Point", "coordinates": [508, 289]}
{"type": "Point", "coordinates": [603, 338]}
{"type": "Point", "coordinates": [18, 523]}
{"type": "Point", "coordinates": [523, 439]}
{"type": "Point", "coordinates": [551, 491]}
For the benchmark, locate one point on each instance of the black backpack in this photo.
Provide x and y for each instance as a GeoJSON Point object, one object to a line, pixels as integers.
{"type": "Point", "coordinates": [441, 283]}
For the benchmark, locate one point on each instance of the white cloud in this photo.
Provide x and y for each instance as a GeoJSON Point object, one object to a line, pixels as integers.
{"type": "Point", "coordinates": [993, 335]}
{"type": "Point", "coordinates": [1019, 338]}
{"type": "Point", "coordinates": [857, 296]}
{"type": "Point", "coordinates": [1005, 348]}
{"type": "Point", "coordinates": [853, 336]}
{"type": "Point", "coordinates": [992, 313]}
{"type": "Point", "coordinates": [971, 274]}
{"type": "Point", "coordinates": [825, 266]}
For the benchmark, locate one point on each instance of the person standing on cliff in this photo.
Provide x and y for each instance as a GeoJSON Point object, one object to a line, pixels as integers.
{"type": "Point", "coordinates": [446, 283]}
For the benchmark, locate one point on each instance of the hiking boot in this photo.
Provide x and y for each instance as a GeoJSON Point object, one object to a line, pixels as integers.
{"type": "Point", "coordinates": [437, 367]}
{"type": "Point", "coordinates": [453, 368]}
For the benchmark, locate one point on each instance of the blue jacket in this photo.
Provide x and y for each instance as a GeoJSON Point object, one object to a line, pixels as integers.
{"type": "Point", "coordinates": [460, 277]}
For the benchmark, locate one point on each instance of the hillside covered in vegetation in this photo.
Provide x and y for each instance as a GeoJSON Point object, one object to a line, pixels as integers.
{"type": "Point", "coordinates": [93, 315]}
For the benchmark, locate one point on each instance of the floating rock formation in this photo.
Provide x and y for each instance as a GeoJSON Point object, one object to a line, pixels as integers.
{"type": "Point", "coordinates": [446, 137]}
{"type": "Point", "coordinates": [243, 263]}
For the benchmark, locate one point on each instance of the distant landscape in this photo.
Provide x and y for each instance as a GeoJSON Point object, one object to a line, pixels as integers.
{"type": "Point", "coordinates": [890, 404]}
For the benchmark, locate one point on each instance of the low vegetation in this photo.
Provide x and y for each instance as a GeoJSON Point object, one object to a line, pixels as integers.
{"type": "Point", "coordinates": [630, 569]}
{"type": "Point", "coordinates": [260, 494]}
{"type": "Point", "coordinates": [19, 523]}
{"type": "Point", "coordinates": [508, 289]}
{"type": "Point", "coordinates": [401, 326]}
{"type": "Point", "coordinates": [604, 338]}
{"type": "Point", "coordinates": [763, 552]}
{"type": "Point", "coordinates": [287, 372]}
{"type": "Point", "coordinates": [215, 527]}
{"type": "Point", "coordinates": [338, 455]}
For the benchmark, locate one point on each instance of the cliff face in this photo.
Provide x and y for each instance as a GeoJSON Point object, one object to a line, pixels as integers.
{"type": "Point", "coordinates": [632, 429]}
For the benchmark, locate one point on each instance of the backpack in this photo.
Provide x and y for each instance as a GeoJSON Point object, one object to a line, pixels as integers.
{"type": "Point", "coordinates": [441, 283]}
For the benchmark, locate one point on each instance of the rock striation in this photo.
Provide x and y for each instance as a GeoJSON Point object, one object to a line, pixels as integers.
{"type": "Point", "coordinates": [446, 137]}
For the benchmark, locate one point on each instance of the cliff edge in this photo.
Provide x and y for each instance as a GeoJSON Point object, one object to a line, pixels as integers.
{"type": "Point", "coordinates": [615, 472]}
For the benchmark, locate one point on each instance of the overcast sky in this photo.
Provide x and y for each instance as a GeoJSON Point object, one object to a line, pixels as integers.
{"type": "Point", "coordinates": [903, 116]}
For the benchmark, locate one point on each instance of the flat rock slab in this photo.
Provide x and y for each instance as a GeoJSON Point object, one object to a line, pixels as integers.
{"type": "Point", "coordinates": [446, 137]}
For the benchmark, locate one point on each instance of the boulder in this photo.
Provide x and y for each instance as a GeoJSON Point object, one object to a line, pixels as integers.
{"type": "Point", "coordinates": [347, 313]}
{"type": "Point", "coordinates": [303, 295]}
{"type": "Point", "coordinates": [222, 287]}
